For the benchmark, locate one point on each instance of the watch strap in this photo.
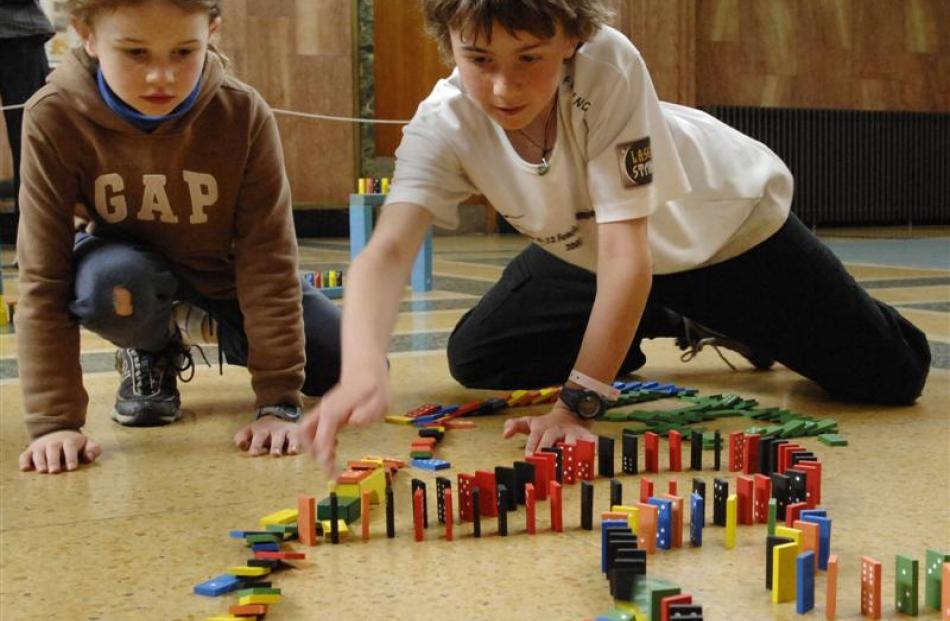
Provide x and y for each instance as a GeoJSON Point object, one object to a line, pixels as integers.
{"type": "Point", "coordinates": [605, 390]}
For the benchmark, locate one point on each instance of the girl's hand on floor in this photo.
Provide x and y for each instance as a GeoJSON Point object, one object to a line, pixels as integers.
{"type": "Point", "coordinates": [50, 453]}
{"type": "Point", "coordinates": [269, 434]}
{"type": "Point", "coordinates": [543, 431]}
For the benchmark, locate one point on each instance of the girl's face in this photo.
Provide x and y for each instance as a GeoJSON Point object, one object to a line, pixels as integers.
{"type": "Point", "coordinates": [512, 78]}
{"type": "Point", "coordinates": [151, 54]}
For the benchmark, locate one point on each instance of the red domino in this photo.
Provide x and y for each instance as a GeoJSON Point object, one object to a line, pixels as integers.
{"type": "Point", "coordinates": [750, 453]}
{"type": "Point", "coordinates": [675, 439]}
{"type": "Point", "coordinates": [584, 459]}
{"type": "Point", "coordinates": [736, 445]}
{"type": "Point", "coordinates": [545, 465]}
{"type": "Point", "coordinates": [646, 489]}
{"type": "Point", "coordinates": [672, 599]}
{"type": "Point", "coordinates": [466, 484]}
{"type": "Point", "coordinates": [745, 488]}
{"type": "Point", "coordinates": [554, 493]}
{"type": "Point", "coordinates": [870, 588]}
{"type": "Point", "coordinates": [449, 518]}
{"type": "Point", "coordinates": [671, 485]}
{"type": "Point", "coordinates": [417, 514]}
{"type": "Point", "coordinates": [529, 503]}
{"type": "Point", "coordinates": [793, 511]}
{"type": "Point", "coordinates": [784, 456]}
{"type": "Point", "coordinates": [651, 452]}
{"type": "Point", "coordinates": [488, 504]}
{"type": "Point", "coordinates": [568, 462]}
{"type": "Point", "coordinates": [763, 492]}
{"type": "Point", "coordinates": [279, 556]}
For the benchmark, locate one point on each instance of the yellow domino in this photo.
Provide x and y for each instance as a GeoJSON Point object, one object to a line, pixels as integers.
{"type": "Point", "coordinates": [544, 396]}
{"type": "Point", "coordinates": [631, 609]}
{"type": "Point", "coordinates": [375, 484]}
{"type": "Point", "coordinates": [792, 533]}
{"type": "Point", "coordinates": [225, 618]}
{"type": "Point", "coordinates": [243, 570]}
{"type": "Point", "coordinates": [633, 515]}
{"type": "Point", "coordinates": [731, 504]}
{"type": "Point", "coordinates": [340, 525]}
{"type": "Point", "coordinates": [784, 578]}
{"type": "Point", "coordinates": [398, 420]}
{"type": "Point", "coordinates": [284, 516]}
{"type": "Point", "coordinates": [515, 396]}
{"type": "Point", "coordinates": [244, 600]}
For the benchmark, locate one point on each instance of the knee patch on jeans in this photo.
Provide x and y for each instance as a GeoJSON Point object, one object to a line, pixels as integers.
{"type": "Point", "coordinates": [122, 302]}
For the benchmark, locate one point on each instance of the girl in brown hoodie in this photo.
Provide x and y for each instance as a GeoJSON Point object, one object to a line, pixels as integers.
{"type": "Point", "coordinates": [174, 173]}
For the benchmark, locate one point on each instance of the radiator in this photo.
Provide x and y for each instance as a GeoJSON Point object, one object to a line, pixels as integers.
{"type": "Point", "coordinates": [855, 167]}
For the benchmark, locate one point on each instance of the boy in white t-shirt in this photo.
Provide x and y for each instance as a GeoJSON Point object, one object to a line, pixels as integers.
{"type": "Point", "coordinates": [643, 214]}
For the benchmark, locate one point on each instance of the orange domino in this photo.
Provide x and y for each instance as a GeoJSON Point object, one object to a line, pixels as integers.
{"type": "Point", "coordinates": [248, 610]}
{"type": "Point", "coordinates": [677, 519]}
{"type": "Point", "coordinates": [306, 520]}
{"type": "Point", "coordinates": [646, 527]}
{"type": "Point", "coordinates": [614, 515]}
{"type": "Point", "coordinates": [809, 538]}
{"type": "Point", "coordinates": [351, 477]}
{"type": "Point", "coordinates": [460, 424]}
{"type": "Point", "coordinates": [423, 442]}
{"type": "Point", "coordinates": [870, 588]}
{"type": "Point", "coordinates": [447, 503]}
{"type": "Point", "coordinates": [417, 509]}
{"type": "Point", "coordinates": [831, 593]}
{"type": "Point", "coordinates": [529, 502]}
{"type": "Point", "coordinates": [364, 513]}
{"type": "Point", "coordinates": [554, 493]}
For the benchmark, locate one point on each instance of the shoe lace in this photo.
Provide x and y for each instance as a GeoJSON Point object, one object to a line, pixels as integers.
{"type": "Point", "coordinates": [694, 345]}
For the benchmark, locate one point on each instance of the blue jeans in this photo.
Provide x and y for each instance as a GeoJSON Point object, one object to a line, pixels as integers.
{"type": "Point", "coordinates": [101, 265]}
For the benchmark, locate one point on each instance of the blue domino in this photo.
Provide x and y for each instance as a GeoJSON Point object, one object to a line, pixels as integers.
{"type": "Point", "coordinates": [805, 582]}
{"type": "Point", "coordinates": [265, 547]}
{"type": "Point", "coordinates": [225, 583]}
{"type": "Point", "coordinates": [664, 522]}
{"type": "Point", "coordinates": [430, 464]}
{"type": "Point", "coordinates": [820, 517]}
{"type": "Point", "coordinates": [697, 509]}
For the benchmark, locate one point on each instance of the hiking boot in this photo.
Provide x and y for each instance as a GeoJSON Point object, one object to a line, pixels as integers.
{"type": "Point", "coordinates": [148, 393]}
{"type": "Point", "coordinates": [696, 336]}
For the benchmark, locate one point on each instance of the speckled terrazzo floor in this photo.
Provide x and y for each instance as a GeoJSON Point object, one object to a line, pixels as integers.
{"type": "Point", "coordinates": [129, 537]}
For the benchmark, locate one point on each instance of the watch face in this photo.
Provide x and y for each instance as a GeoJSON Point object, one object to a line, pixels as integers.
{"type": "Point", "coordinates": [589, 406]}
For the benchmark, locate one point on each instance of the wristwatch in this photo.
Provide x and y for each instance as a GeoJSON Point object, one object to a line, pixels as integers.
{"type": "Point", "coordinates": [587, 404]}
{"type": "Point", "coordinates": [283, 411]}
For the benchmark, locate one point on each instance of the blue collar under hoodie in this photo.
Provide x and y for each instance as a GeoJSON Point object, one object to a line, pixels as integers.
{"type": "Point", "coordinates": [144, 122]}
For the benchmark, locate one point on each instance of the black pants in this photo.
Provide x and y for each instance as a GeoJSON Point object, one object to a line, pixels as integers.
{"type": "Point", "coordinates": [23, 70]}
{"type": "Point", "coordinates": [102, 265]}
{"type": "Point", "coordinates": [789, 297]}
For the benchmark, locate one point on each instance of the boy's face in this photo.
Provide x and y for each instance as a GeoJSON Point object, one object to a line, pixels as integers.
{"type": "Point", "coordinates": [151, 54]}
{"type": "Point", "coordinates": [512, 78]}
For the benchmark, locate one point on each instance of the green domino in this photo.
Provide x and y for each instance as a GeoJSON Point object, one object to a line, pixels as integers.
{"type": "Point", "coordinates": [348, 509]}
{"type": "Point", "coordinates": [832, 439]}
{"type": "Point", "coordinates": [773, 513]}
{"type": "Point", "coordinates": [258, 591]}
{"type": "Point", "coordinates": [262, 538]}
{"type": "Point", "coordinates": [906, 589]}
{"type": "Point", "coordinates": [932, 577]}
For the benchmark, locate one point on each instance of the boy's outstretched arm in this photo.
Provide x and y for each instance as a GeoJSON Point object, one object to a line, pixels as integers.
{"type": "Point", "coordinates": [624, 277]}
{"type": "Point", "coordinates": [375, 283]}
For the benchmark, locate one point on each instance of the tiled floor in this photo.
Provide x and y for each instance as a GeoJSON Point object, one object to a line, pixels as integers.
{"type": "Point", "coordinates": [129, 537]}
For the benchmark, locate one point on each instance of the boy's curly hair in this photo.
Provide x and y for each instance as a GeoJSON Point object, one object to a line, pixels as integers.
{"type": "Point", "coordinates": [578, 18]}
{"type": "Point", "coordinates": [85, 10]}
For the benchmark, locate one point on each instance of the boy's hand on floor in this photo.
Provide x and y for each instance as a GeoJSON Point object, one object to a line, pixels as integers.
{"type": "Point", "coordinates": [359, 401]}
{"type": "Point", "coordinates": [543, 431]}
{"type": "Point", "coordinates": [269, 434]}
{"type": "Point", "coordinates": [54, 451]}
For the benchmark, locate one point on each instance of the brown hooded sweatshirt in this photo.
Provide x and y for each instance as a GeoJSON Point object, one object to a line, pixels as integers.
{"type": "Point", "coordinates": [207, 190]}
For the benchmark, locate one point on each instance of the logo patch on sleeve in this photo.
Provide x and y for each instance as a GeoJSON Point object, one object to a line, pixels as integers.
{"type": "Point", "coordinates": [636, 162]}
